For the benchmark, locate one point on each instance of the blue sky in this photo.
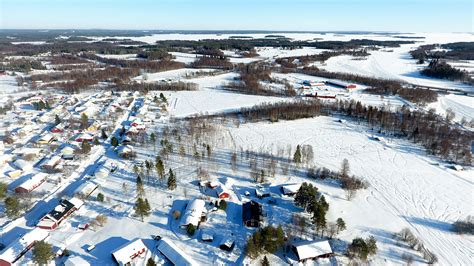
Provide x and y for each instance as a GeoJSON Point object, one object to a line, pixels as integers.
{"type": "Point", "coordinates": [372, 15]}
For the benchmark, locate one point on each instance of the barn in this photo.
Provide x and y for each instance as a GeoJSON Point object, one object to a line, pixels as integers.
{"type": "Point", "coordinates": [193, 213]}
{"type": "Point", "coordinates": [174, 254]}
{"type": "Point", "coordinates": [31, 183]}
{"type": "Point", "coordinates": [252, 214]}
{"type": "Point", "coordinates": [126, 254]}
{"type": "Point", "coordinates": [17, 249]}
{"type": "Point", "coordinates": [310, 250]}
{"type": "Point", "coordinates": [63, 210]}
{"type": "Point", "coordinates": [341, 84]}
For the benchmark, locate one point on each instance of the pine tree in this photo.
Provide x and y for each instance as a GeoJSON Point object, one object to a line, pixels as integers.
{"type": "Point", "coordinates": [140, 188]}
{"type": "Point", "coordinates": [57, 120]}
{"type": "Point", "coordinates": [341, 225]}
{"type": "Point", "coordinates": [160, 168]}
{"type": "Point", "coordinates": [3, 190]}
{"type": "Point", "coordinates": [84, 121]}
{"type": "Point", "coordinates": [297, 155]}
{"type": "Point", "coordinates": [265, 261]}
{"type": "Point", "coordinates": [114, 141]}
{"type": "Point", "coordinates": [85, 147]}
{"type": "Point", "coordinates": [150, 262]}
{"type": "Point", "coordinates": [104, 136]}
{"type": "Point", "coordinates": [142, 208]}
{"type": "Point", "coordinates": [42, 253]}
{"type": "Point", "coordinates": [12, 207]}
{"type": "Point", "coordinates": [171, 180]}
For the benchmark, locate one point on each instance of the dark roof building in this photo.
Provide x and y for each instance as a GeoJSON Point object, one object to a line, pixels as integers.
{"type": "Point", "coordinates": [251, 214]}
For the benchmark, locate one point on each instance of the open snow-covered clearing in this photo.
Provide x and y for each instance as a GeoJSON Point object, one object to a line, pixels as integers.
{"type": "Point", "coordinates": [407, 189]}
{"type": "Point", "coordinates": [278, 52]}
{"type": "Point", "coordinates": [118, 56]}
{"type": "Point", "coordinates": [397, 63]}
{"type": "Point", "coordinates": [171, 75]}
{"type": "Point", "coordinates": [461, 105]}
{"type": "Point", "coordinates": [295, 36]}
{"type": "Point", "coordinates": [209, 101]}
{"type": "Point", "coordinates": [8, 85]}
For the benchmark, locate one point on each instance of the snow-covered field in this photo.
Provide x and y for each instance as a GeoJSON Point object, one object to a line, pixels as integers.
{"type": "Point", "coordinates": [295, 36]}
{"type": "Point", "coordinates": [171, 75]}
{"type": "Point", "coordinates": [396, 63]}
{"type": "Point", "coordinates": [407, 189]}
{"type": "Point", "coordinates": [462, 106]}
{"type": "Point", "coordinates": [210, 101]}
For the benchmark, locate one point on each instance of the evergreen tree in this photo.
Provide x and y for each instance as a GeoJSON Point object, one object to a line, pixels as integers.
{"type": "Point", "coordinates": [297, 155]}
{"type": "Point", "coordinates": [57, 120]}
{"type": "Point", "coordinates": [142, 208]}
{"type": "Point", "coordinates": [104, 136]}
{"type": "Point", "coordinates": [3, 190]}
{"type": "Point", "coordinates": [171, 180]}
{"type": "Point", "coordinates": [160, 168]}
{"type": "Point", "coordinates": [114, 141]}
{"type": "Point", "coordinates": [140, 187]}
{"type": "Point", "coordinates": [150, 262]}
{"type": "Point", "coordinates": [85, 147]}
{"type": "Point", "coordinates": [12, 207]}
{"type": "Point", "coordinates": [42, 253]}
{"type": "Point", "coordinates": [265, 261]}
{"type": "Point", "coordinates": [341, 225]}
{"type": "Point", "coordinates": [84, 121]}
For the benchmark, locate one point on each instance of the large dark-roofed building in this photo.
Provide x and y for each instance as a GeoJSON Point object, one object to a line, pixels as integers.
{"type": "Point", "coordinates": [252, 214]}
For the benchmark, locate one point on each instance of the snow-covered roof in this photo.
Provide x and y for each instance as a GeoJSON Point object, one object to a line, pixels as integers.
{"type": "Point", "coordinates": [207, 236]}
{"type": "Point", "coordinates": [222, 189]}
{"type": "Point", "coordinates": [23, 165]}
{"type": "Point", "coordinates": [308, 250]}
{"type": "Point", "coordinates": [192, 214]}
{"type": "Point", "coordinates": [290, 189]}
{"type": "Point", "coordinates": [174, 254]}
{"type": "Point", "coordinates": [86, 188]}
{"type": "Point", "coordinates": [126, 253]}
{"type": "Point", "coordinates": [53, 161]}
{"type": "Point", "coordinates": [14, 251]}
{"type": "Point", "coordinates": [33, 181]}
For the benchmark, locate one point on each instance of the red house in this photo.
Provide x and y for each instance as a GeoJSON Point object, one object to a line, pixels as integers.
{"type": "Point", "coordinates": [59, 213]}
{"type": "Point", "coordinates": [222, 192]}
{"type": "Point", "coordinates": [32, 183]}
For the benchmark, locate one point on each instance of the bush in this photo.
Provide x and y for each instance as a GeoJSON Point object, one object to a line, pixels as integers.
{"type": "Point", "coordinates": [176, 214]}
{"type": "Point", "coordinates": [362, 248]}
{"type": "Point", "coordinates": [223, 205]}
{"type": "Point", "coordinates": [100, 197]}
{"type": "Point", "coordinates": [268, 239]}
{"type": "Point", "coordinates": [191, 229]}
{"type": "Point", "coordinates": [42, 253]}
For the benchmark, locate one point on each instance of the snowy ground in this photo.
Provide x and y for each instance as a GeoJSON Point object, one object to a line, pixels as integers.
{"type": "Point", "coordinates": [396, 63]}
{"type": "Point", "coordinates": [407, 189]}
{"type": "Point", "coordinates": [462, 106]}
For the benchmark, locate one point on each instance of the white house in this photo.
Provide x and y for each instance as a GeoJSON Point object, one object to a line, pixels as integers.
{"type": "Point", "coordinates": [131, 252]}
{"type": "Point", "coordinates": [193, 213]}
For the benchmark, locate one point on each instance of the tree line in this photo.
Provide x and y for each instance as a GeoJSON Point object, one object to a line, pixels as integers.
{"type": "Point", "coordinates": [435, 133]}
